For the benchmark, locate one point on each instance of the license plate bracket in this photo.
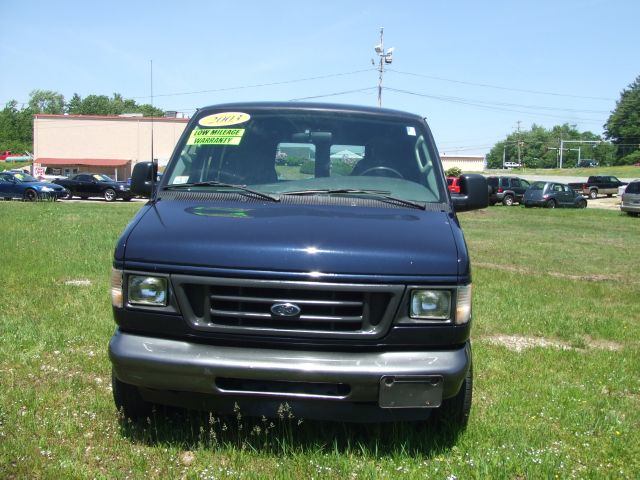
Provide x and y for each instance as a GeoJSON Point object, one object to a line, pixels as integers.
{"type": "Point", "coordinates": [410, 391]}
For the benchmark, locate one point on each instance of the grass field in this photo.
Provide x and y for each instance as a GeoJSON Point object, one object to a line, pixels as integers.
{"type": "Point", "coordinates": [556, 357]}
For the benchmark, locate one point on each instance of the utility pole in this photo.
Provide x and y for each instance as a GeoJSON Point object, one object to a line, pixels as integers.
{"type": "Point", "coordinates": [385, 58]}
{"type": "Point", "coordinates": [519, 143]}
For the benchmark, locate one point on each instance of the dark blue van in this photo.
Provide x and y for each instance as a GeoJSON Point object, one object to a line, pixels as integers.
{"type": "Point", "coordinates": [300, 253]}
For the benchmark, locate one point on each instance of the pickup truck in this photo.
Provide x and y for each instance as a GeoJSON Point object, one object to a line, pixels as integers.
{"type": "Point", "coordinates": [598, 185]}
{"type": "Point", "coordinates": [340, 288]}
{"type": "Point", "coordinates": [85, 185]}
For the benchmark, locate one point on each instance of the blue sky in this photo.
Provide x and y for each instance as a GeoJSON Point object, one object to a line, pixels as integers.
{"type": "Point", "coordinates": [471, 67]}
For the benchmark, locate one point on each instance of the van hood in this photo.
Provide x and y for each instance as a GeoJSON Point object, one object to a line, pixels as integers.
{"type": "Point", "coordinates": [293, 238]}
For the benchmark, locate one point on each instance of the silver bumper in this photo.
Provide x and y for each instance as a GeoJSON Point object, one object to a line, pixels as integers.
{"type": "Point", "coordinates": [173, 365]}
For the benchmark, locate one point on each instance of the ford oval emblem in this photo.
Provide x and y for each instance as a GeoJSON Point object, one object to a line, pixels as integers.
{"type": "Point", "coordinates": [285, 310]}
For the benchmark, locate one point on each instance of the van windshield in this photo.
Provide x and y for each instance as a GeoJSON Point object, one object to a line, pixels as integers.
{"type": "Point", "coordinates": [308, 152]}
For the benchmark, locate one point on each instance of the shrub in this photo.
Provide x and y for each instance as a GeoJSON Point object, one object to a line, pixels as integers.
{"type": "Point", "coordinates": [308, 167]}
{"type": "Point", "coordinates": [631, 159]}
{"type": "Point", "coordinates": [453, 172]}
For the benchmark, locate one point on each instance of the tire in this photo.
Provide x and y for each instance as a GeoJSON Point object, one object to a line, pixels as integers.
{"type": "Point", "coordinates": [593, 194]}
{"type": "Point", "coordinates": [68, 196]}
{"type": "Point", "coordinates": [128, 400]}
{"type": "Point", "coordinates": [582, 204]}
{"type": "Point", "coordinates": [454, 412]}
{"type": "Point", "coordinates": [550, 204]}
{"type": "Point", "coordinates": [30, 195]}
{"type": "Point", "coordinates": [507, 200]}
{"type": "Point", "coordinates": [110, 195]}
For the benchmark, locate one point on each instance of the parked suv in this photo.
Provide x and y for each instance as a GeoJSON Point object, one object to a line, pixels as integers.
{"type": "Point", "coordinates": [586, 163]}
{"type": "Point", "coordinates": [340, 287]}
{"type": "Point", "coordinates": [631, 198]}
{"type": "Point", "coordinates": [508, 190]}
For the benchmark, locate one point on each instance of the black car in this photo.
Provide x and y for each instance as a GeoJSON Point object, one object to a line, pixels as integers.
{"type": "Point", "coordinates": [552, 195]}
{"type": "Point", "coordinates": [85, 185]}
{"type": "Point", "coordinates": [508, 190]}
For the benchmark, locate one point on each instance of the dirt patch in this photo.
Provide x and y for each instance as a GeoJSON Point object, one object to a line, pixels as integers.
{"type": "Point", "coordinates": [607, 203]}
{"type": "Point", "coordinates": [81, 282]}
{"type": "Point", "coordinates": [602, 344]}
{"type": "Point", "coordinates": [519, 343]}
{"type": "Point", "coordinates": [526, 271]}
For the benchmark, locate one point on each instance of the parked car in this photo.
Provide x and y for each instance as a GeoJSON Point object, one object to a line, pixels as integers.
{"type": "Point", "coordinates": [631, 198]}
{"type": "Point", "coordinates": [24, 186]}
{"type": "Point", "coordinates": [85, 185]}
{"type": "Point", "coordinates": [510, 165]}
{"type": "Point", "coordinates": [598, 184]}
{"type": "Point", "coordinates": [508, 190]}
{"type": "Point", "coordinates": [453, 183]}
{"type": "Point", "coordinates": [345, 294]}
{"type": "Point", "coordinates": [587, 163]}
{"type": "Point", "coordinates": [552, 195]}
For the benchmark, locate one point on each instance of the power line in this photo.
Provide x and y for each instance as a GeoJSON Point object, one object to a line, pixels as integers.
{"type": "Point", "coordinates": [487, 105]}
{"type": "Point", "coordinates": [497, 87]}
{"type": "Point", "coordinates": [257, 85]}
{"type": "Point", "coordinates": [506, 104]}
{"type": "Point", "coordinates": [333, 94]}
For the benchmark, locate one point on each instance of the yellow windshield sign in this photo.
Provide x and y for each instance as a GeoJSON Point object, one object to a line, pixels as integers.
{"type": "Point", "coordinates": [216, 136]}
{"type": "Point", "coordinates": [224, 119]}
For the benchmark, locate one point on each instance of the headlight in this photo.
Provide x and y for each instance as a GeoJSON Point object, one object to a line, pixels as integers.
{"type": "Point", "coordinates": [148, 291]}
{"type": "Point", "coordinates": [430, 304]}
{"type": "Point", "coordinates": [116, 287]}
{"type": "Point", "coordinates": [439, 305]}
{"type": "Point", "coordinates": [46, 189]}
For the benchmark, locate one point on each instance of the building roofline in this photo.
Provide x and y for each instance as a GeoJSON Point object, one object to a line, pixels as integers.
{"type": "Point", "coordinates": [109, 117]}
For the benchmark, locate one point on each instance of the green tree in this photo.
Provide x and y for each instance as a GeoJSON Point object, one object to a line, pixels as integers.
{"type": "Point", "coordinates": [46, 101]}
{"type": "Point", "coordinates": [104, 105]}
{"type": "Point", "coordinates": [75, 105]}
{"type": "Point", "coordinates": [539, 147]}
{"type": "Point", "coordinates": [623, 125]}
{"type": "Point", "coordinates": [16, 128]}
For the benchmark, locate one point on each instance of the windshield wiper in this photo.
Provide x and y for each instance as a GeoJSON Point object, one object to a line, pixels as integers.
{"type": "Point", "coordinates": [379, 194]}
{"type": "Point", "coordinates": [213, 183]}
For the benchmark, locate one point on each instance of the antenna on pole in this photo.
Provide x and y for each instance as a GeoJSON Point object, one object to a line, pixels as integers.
{"type": "Point", "coordinates": [153, 162]}
{"type": "Point", "coordinates": [385, 58]}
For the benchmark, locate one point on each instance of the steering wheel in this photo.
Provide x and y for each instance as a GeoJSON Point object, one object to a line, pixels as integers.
{"type": "Point", "coordinates": [383, 172]}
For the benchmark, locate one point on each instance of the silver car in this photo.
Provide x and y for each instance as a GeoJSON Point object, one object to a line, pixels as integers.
{"type": "Point", "coordinates": [631, 199]}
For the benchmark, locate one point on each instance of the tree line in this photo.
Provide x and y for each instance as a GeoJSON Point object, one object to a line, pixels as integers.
{"type": "Point", "coordinates": [16, 123]}
{"type": "Point", "coordinates": [540, 148]}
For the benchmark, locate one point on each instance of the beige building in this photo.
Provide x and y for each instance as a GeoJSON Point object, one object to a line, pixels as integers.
{"type": "Point", "coordinates": [69, 144]}
{"type": "Point", "coordinates": [466, 163]}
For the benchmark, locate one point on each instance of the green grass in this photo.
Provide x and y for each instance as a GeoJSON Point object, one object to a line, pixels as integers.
{"type": "Point", "coordinates": [569, 411]}
{"type": "Point", "coordinates": [622, 171]}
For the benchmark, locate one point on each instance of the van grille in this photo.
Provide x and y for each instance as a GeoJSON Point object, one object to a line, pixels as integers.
{"type": "Point", "coordinates": [247, 306]}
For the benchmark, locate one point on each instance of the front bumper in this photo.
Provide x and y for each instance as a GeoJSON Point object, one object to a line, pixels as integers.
{"type": "Point", "coordinates": [175, 371]}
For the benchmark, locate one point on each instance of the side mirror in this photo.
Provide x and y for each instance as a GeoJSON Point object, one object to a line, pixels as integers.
{"type": "Point", "coordinates": [141, 178]}
{"type": "Point", "coordinates": [474, 193]}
